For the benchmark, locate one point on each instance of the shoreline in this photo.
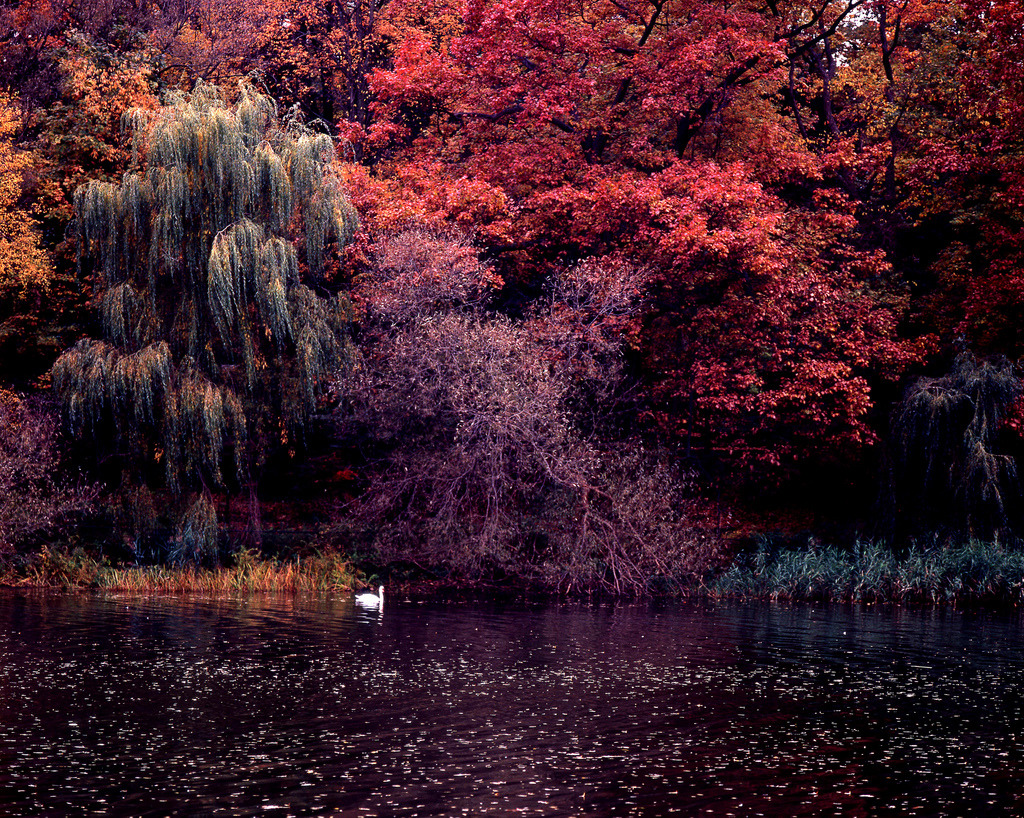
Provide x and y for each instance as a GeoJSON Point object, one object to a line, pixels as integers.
{"type": "Point", "coordinates": [972, 574]}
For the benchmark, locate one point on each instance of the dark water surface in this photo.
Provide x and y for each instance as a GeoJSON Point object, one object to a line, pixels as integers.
{"type": "Point", "coordinates": [154, 706]}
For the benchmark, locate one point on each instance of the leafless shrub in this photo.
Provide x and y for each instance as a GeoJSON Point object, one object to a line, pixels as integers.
{"type": "Point", "coordinates": [484, 468]}
{"type": "Point", "coordinates": [589, 320]}
{"type": "Point", "coordinates": [634, 525]}
{"type": "Point", "coordinates": [592, 313]}
{"type": "Point", "coordinates": [34, 497]}
{"type": "Point", "coordinates": [420, 272]}
{"type": "Point", "coordinates": [474, 423]}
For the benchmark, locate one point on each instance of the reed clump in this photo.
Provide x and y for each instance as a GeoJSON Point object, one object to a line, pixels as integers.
{"type": "Point", "coordinates": [250, 573]}
{"type": "Point", "coordinates": [970, 572]}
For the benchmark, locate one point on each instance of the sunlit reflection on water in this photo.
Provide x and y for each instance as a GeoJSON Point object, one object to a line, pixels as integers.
{"type": "Point", "coordinates": [136, 706]}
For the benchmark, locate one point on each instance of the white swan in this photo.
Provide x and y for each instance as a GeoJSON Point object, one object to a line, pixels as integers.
{"type": "Point", "coordinates": [371, 599]}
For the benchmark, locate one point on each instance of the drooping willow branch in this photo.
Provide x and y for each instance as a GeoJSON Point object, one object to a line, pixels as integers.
{"type": "Point", "coordinates": [215, 344]}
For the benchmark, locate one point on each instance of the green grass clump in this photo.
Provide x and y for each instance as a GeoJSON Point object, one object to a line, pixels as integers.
{"type": "Point", "coordinates": [970, 572]}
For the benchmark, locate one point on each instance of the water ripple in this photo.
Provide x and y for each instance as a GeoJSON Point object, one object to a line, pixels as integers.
{"type": "Point", "coordinates": [129, 706]}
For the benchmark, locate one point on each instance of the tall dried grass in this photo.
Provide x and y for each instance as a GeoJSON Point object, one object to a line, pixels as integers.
{"type": "Point", "coordinates": [73, 568]}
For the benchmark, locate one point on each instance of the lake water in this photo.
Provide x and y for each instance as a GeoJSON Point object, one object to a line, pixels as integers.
{"type": "Point", "coordinates": [155, 706]}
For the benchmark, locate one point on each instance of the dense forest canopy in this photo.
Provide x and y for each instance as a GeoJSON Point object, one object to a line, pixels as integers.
{"type": "Point", "coordinates": [766, 255]}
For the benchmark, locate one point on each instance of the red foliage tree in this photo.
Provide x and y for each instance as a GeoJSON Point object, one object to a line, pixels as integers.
{"type": "Point", "coordinates": [969, 181]}
{"type": "Point", "coordinates": [651, 130]}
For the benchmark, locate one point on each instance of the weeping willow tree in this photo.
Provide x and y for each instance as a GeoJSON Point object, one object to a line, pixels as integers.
{"type": "Point", "coordinates": [952, 470]}
{"type": "Point", "coordinates": [209, 262]}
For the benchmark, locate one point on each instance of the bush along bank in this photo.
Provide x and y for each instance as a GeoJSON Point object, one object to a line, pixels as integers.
{"type": "Point", "coordinates": [73, 568]}
{"type": "Point", "coordinates": [971, 572]}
